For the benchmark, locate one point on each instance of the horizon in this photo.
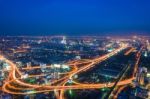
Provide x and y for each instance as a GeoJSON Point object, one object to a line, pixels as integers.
{"type": "Point", "coordinates": [67, 17]}
{"type": "Point", "coordinates": [83, 34]}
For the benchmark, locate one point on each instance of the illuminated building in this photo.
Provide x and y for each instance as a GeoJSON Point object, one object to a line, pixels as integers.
{"type": "Point", "coordinates": [148, 45]}
{"type": "Point", "coordinates": [64, 40]}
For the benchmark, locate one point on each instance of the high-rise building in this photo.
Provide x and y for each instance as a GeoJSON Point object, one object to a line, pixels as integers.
{"type": "Point", "coordinates": [29, 64]}
{"type": "Point", "coordinates": [64, 40]}
{"type": "Point", "coordinates": [148, 45]}
{"type": "Point", "coordinates": [145, 54]}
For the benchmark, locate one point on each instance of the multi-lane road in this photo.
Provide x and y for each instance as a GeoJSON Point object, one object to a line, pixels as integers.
{"type": "Point", "coordinates": [15, 85]}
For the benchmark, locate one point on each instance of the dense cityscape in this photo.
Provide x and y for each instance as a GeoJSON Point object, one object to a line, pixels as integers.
{"type": "Point", "coordinates": [75, 67]}
{"type": "Point", "coordinates": [74, 49]}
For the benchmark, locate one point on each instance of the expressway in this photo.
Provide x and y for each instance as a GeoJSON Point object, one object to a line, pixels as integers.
{"type": "Point", "coordinates": [15, 85]}
{"type": "Point", "coordinates": [129, 51]}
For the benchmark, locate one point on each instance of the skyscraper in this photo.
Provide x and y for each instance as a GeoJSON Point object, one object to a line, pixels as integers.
{"type": "Point", "coordinates": [148, 45]}
{"type": "Point", "coordinates": [64, 40]}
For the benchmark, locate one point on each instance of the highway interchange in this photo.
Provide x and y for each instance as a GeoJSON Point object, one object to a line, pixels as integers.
{"type": "Point", "coordinates": [15, 85]}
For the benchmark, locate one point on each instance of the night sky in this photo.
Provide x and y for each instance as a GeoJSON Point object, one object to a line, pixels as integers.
{"type": "Point", "coordinates": [74, 17]}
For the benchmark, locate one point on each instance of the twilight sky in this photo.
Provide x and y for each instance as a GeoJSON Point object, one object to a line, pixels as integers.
{"type": "Point", "coordinates": [74, 17]}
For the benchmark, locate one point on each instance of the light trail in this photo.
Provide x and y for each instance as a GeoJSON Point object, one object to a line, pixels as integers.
{"type": "Point", "coordinates": [129, 51]}
{"type": "Point", "coordinates": [118, 91]}
{"type": "Point", "coordinates": [7, 87]}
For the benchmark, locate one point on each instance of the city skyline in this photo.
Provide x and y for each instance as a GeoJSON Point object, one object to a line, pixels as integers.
{"type": "Point", "coordinates": [74, 49]}
{"type": "Point", "coordinates": [74, 67]}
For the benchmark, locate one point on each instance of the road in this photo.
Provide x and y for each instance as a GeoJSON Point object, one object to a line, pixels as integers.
{"type": "Point", "coordinates": [15, 85]}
